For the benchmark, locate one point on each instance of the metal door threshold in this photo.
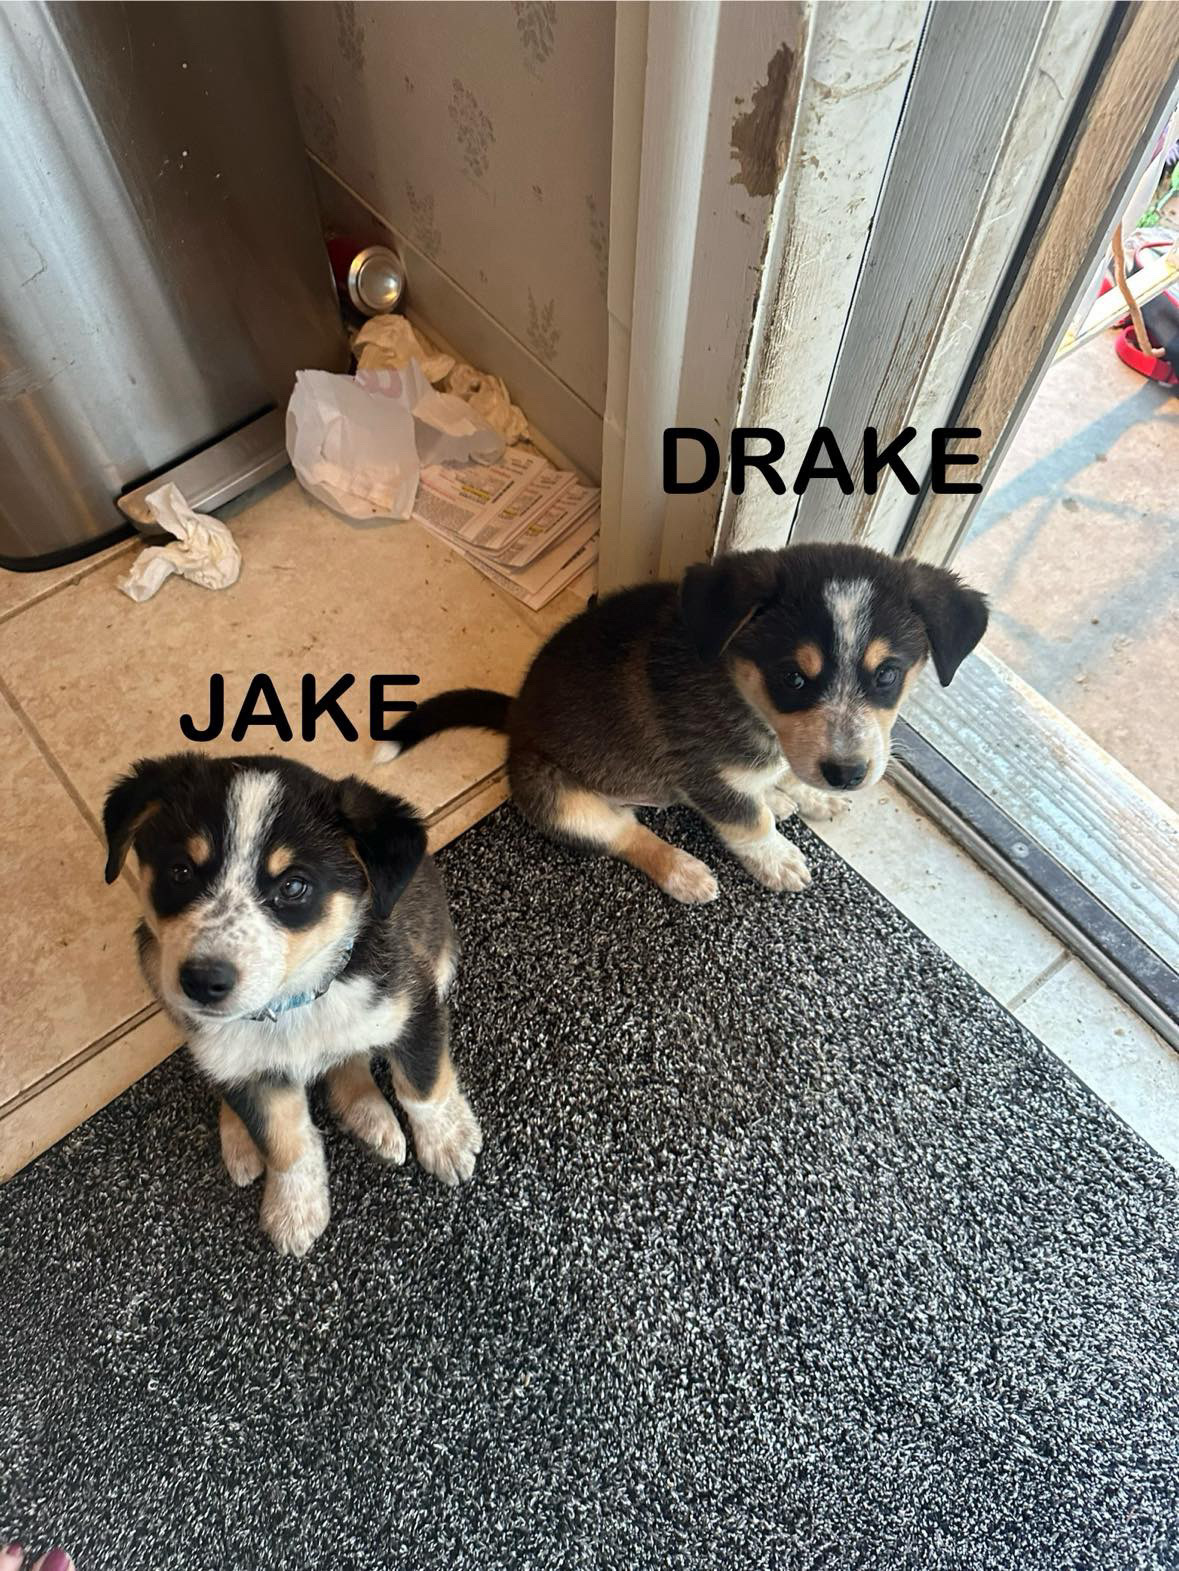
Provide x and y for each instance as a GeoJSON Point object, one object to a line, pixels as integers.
{"type": "Point", "coordinates": [1091, 853]}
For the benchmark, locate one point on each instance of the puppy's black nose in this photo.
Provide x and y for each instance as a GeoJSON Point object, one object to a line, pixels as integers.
{"type": "Point", "coordinates": [844, 777]}
{"type": "Point", "coordinates": [207, 981]}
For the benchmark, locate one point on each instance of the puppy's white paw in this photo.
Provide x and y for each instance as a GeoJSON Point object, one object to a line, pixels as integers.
{"type": "Point", "coordinates": [295, 1204]}
{"type": "Point", "coordinates": [689, 880]}
{"type": "Point", "coordinates": [373, 1121]}
{"type": "Point", "coordinates": [446, 1137]}
{"type": "Point", "coordinates": [774, 862]}
{"type": "Point", "coordinates": [816, 806]}
{"type": "Point", "coordinates": [243, 1161]}
{"type": "Point", "coordinates": [781, 803]}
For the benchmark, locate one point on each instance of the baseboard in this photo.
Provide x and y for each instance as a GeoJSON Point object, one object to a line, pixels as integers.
{"type": "Point", "coordinates": [36, 1122]}
{"type": "Point", "coordinates": [439, 303]}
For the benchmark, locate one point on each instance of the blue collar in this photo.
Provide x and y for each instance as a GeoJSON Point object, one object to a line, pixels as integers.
{"type": "Point", "coordinates": [297, 1000]}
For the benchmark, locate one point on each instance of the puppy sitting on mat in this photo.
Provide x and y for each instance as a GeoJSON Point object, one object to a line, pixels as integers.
{"type": "Point", "coordinates": [766, 681]}
{"type": "Point", "coordinates": [294, 926]}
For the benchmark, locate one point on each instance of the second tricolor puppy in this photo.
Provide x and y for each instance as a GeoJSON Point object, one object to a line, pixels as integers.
{"type": "Point", "coordinates": [294, 927]}
{"type": "Point", "coordinates": [765, 681]}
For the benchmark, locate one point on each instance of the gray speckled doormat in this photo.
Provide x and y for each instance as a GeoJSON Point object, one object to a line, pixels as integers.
{"type": "Point", "coordinates": [788, 1248]}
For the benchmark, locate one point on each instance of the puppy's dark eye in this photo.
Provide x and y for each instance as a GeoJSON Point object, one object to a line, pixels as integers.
{"type": "Point", "coordinates": [886, 677]}
{"type": "Point", "coordinates": [180, 872]}
{"type": "Point", "coordinates": [794, 679]}
{"type": "Point", "coordinates": [293, 889]}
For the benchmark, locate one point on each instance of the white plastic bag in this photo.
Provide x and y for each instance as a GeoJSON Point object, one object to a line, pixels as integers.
{"type": "Point", "coordinates": [204, 551]}
{"type": "Point", "coordinates": [357, 443]}
{"type": "Point", "coordinates": [352, 446]}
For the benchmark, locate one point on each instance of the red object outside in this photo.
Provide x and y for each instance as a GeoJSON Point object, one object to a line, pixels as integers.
{"type": "Point", "coordinates": [1154, 366]}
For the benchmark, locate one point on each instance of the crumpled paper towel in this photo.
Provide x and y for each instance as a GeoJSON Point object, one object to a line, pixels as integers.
{"type": "Point", "coordinates": [386, 343]}
{"type": "Point", "coordinates": [488, 396]}
{"type": "Point", "coordinates": [204, 551]}
{"type": "Point", "coordinates": [358, 443]}
{"type": "Point", "coordinates": [389, 343]}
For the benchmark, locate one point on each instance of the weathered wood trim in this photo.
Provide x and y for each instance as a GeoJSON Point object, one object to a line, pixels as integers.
{"type": "Point", "coordinates": [1040, 108]}
{"type": "Point", "coordinates": [973, 67]}
{"type": "Point", "coordinates": [1137, 83]}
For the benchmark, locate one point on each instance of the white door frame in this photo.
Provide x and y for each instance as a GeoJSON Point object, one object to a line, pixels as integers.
{"type": "Point", "coordinates": [688, 228]}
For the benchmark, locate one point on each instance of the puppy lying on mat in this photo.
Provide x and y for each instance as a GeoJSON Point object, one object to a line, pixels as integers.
{"type": "Point", "coordinates": [766, 681]}
{"type": "Point", "coordinates": [294, 926]}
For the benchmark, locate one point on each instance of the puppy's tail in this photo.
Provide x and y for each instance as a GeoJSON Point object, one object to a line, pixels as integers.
{"type": "Point", "coordinates": [461, 707]}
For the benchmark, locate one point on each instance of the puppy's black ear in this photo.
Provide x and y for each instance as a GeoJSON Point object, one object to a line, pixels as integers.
{"type": "Point", "coordinates": [389, 837]}
{"type": "Point", "coordinates": [129, 803]}
{"type": "Point", "coordinates": [718, 598]}
{"type": "Point", "coordinates": [955, 617]}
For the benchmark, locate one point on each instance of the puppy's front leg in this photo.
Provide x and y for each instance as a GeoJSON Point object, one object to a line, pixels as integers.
{"type": "Point", "coordinates": [243, 1160]}
{"type": "Point", "coordinates": [788, 793]}
{"type": "Point", "coordinates": [446, 1133]}
{"type": "Point", "coordinates": [746, 825]}
{"type": "Point", "coordinates": [295, 1202]}
{"type": "Point", "coordinates": [363, 1111]}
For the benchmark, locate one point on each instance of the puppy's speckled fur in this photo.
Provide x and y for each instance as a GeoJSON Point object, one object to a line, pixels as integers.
{"type": "Point", "coordinates": [311, 906]}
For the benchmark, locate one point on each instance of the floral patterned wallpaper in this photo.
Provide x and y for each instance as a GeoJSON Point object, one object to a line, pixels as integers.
{"type": "Point", "coordinates": [482, 132]}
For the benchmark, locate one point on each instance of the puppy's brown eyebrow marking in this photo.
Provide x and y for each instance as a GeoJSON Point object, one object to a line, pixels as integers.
{"type": "Point", "coordinates": [876, 654]}
{"type": "Point", "coordinates": [809, 659]}
{"type": "Point", "coordinates": [199, 848]}
{"type": "Point", "coordinates": [281, 857]}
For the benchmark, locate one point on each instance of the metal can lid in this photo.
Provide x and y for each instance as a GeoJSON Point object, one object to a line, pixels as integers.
{"type": "Point", "coordinates": [376, 280]}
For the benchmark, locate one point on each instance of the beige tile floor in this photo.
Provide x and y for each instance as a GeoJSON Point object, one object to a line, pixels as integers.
{"type": "Point", "coordinates": [89, 681]}
{"type": "Point", "coordinates": [947, 895]}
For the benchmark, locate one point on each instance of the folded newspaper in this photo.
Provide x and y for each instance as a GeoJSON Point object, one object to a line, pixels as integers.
{"type": "Point", "coordinates": [531, 528]}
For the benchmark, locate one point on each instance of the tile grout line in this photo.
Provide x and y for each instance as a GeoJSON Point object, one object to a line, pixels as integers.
{"type": "Point", "coordinates": [110, 554]}
{"type": "Point", "coordinates": [43, 748]}
{"type": "Point", "coordinates": [440, 814]}
{"type": "Point", "coordinates": [82, 1057]}
{"type": "Point", "coordinates": [1019, 998]}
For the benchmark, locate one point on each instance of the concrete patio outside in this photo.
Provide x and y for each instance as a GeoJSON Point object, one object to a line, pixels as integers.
{"type": "Point", "coordinates": [1077, 544]}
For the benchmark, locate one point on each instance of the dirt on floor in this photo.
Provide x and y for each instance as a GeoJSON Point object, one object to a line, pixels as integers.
{"type": "Point", "coordinates": [1077, 544]}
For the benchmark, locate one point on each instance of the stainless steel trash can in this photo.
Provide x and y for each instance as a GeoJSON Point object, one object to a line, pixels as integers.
{"type": "Point", "coordinates": [162, 272]}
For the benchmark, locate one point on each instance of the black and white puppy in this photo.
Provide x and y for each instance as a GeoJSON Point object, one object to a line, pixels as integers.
{"type": "Point", "coordinates": [763, 682]}
{"type": "Point", "coordinates": [294, 927]}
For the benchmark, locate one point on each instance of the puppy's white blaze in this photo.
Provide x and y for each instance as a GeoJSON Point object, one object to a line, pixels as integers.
{"type": "Point", "coordinates": [229, 922]}
{"type": "Point", "coordinates": [849, 601]}
{"type": "Point", "coordinates": [850, 604]}
{"type": "Point", "coordinates": [253, 802]}
{"type": "Point", "coordinates": [386, 752]}
{"type": "Point", "coordinates": [850, 730]}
